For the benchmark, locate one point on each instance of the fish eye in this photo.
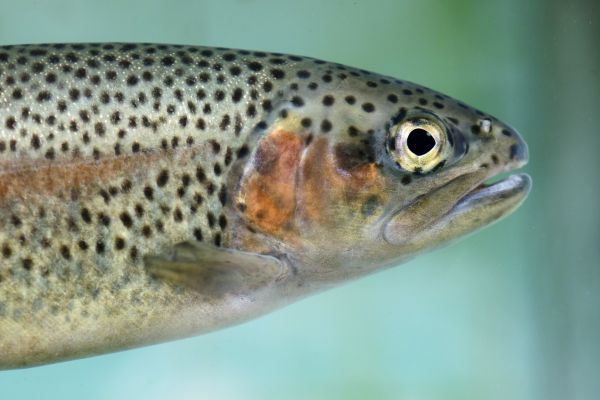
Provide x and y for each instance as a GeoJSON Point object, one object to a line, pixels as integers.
{"type": "Point", "coordinates": [418, 144]}
{"type": "Point", "coordinates": [420, 141]}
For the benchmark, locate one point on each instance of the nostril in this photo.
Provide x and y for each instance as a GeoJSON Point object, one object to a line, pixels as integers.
{"type": "Point", "coordinates": [514, 151]}
{"type": "Point", "coordinates": [518, 151]}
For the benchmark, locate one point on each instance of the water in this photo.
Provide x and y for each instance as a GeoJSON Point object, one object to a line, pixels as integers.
{"type": "Point", "coordinates": [510, 313]}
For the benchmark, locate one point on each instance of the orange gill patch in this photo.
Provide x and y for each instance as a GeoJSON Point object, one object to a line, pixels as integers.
{"type": "Point", "coordinates": [268, 190]}
{"type": "Point", "coordinates": [292, 185]}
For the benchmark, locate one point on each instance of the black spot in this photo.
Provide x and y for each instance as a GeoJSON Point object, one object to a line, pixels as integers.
{"type": "Point", "coordinates": [217, 239]}
{"type": "Point", "coordinates": [200, 174]}
{"type": "Point", "coordinates": [35, 142]}
{"type": "Point", "coordinates": [267, 106]}
{"type": "Point", "coordinates": [326, 126]}
{"type": "Point", "coordinates": [210, 188]}
{"type": "Point", "coordinates": [328, 100]}
{"type": "Point", "coordinates": [177, 215]}
{"type": "Point", "coordinates": [198, 234]}
{"type": "Point", "coordinates": [163, 178]}
{"type": "Point", "coordinates": [217, 169]}
{"type": "Point", "coordinates": [216, 147]}
{"type": "Point", "coordinates": [243, 151]}
{"type": "Point", "coordinates": [254, 66]}
{"type": "Point", "coordinates": [222, 221]}
{"type": "Point", "coordinates": [49, 154]}
{"type": "Point", "coordinates": [438, 166]}
{"type": "Point", "coordinates": [51, 77]}
{"type": "Point", "coordinates": [211, 219]}
{"type": "Point", "coordinates": [306, 122]}
{"type": "Point", "coordinates": [223, 195]}
{"type": "Point", "coordinates": [16, 221]}
{"type": "Point", "coordinates": [11, 122]}
{"type": "Point", "coordinates": [219, 95]}
{"type": "Point", "coordinates": [80, 73]}
{"type": "Point", "coordinates": [65, 252]}
{"type": "Point", "coordinates": [104, 219]}
{"type": "Point", "coordinates": [225, 121]}
{"type": "Point", "coordinates": [100, 247]}
{"type": "Point", "coordinates": [27, 264]}
{"type": "Point", "coordinates": [17, 94]}
{"type": "Point", "coordinates": [167, 61]}
{"type": "Point", "coordinates": [6, 251]}
{"type": "Point", "coordinates": [126, 219]}
{"type": "Point", "coordinates": [99, 129]}
{"type": "Point", "coordinates": [251, 111]}
{"type": "Point", "coordinates": [297, 101]}
{"type": "Point", "coordinates": [119, 243]}
{"type": "Point", "coordinates": [132, 80]}
{"type": "Point", "coordinates": [133, 253]}
{"type": "Point", "coordinates": [353, 131]}
{"type": "Point", "coordinates": [368, 107]}
{"type": "Point", "coordinates": [303, 74]}
{"type": "Point", "coordinates": [237, 95]}
{"type": "Point", "coordinates": [147, 231]}
{"type": "Point", "coordinates": [147, 76]}
{"type": "Point", "coordinates": [115, 118]}
{"type": "Point", "coordinates": [277, 73]}
{"type": "Point", "coordinates": [43, 96]}
{"type": "Point", "coordinates": [350, 100]}
{"type": "Point", "coordinates": [370, 206]}
{"type": "Point", "coordinates": [86, 216]}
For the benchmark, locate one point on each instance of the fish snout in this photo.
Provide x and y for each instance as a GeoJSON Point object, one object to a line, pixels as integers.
{"type": "Point", "coordinates": [518, 152]}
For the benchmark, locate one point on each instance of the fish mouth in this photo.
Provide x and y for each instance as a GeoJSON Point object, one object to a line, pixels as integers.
{"type": "Point", "coordinates": [514, 186]}
{"type": "Point", "coordinates": [462, 206]}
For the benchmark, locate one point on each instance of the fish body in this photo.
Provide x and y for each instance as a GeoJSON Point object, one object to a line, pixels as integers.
{"type": "Point", "coordinates": [149, 192]}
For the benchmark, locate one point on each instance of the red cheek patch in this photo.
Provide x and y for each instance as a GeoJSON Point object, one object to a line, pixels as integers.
{"type": "Point", "coordinates": [268, 189]}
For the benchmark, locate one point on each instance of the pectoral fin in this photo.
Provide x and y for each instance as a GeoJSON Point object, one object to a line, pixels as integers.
{"type": "Point", "coordinates": [214, 270]}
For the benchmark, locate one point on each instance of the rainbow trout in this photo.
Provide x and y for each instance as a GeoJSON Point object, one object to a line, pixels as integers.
{"type": "Point", "coordinates": [150, 192]}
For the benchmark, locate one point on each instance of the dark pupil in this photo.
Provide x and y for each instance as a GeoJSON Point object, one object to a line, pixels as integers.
{"type": "Point", "coordinates": [420, 141]}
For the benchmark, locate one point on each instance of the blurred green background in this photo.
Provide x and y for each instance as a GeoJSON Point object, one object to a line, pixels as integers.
{"type": "Point", "coordinates": [510, 313]}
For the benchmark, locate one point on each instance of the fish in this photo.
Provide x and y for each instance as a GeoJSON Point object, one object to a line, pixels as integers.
{"type": "Point", "coordinates": [150, 192]}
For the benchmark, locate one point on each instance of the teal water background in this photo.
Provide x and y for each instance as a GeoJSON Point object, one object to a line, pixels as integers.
{"type": "Point", "coordinates": [512, 312]}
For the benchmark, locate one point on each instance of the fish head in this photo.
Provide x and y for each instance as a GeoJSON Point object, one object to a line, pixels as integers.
{"type": "Point", "coordinates": [371, 171]}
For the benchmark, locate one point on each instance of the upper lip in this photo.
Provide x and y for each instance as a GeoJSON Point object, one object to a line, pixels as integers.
{"type": "Point", "coordinates": [499, 190]}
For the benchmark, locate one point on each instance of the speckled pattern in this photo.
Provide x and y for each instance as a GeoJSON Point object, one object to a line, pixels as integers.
{"type": "Point", "coordinates": [113, 152]}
